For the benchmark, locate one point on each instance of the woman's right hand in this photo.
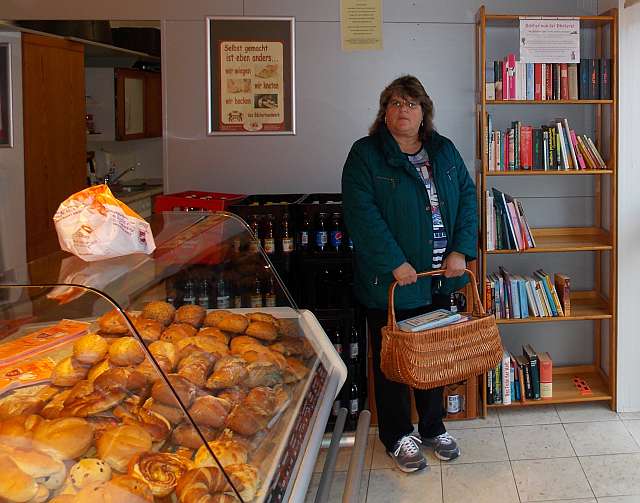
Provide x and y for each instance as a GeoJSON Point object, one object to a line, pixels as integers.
{"type": "Point", "coordinates": [405, 274]}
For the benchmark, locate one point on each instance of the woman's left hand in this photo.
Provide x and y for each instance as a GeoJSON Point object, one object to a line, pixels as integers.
{"type": "Point", "coordinates": [454, 264]}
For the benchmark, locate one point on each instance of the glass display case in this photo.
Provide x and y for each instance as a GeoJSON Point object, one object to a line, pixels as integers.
{"type": "Point", "coordinates": [187, 375]}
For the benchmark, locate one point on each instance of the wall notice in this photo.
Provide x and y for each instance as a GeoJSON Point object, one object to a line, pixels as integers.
{"type": "Point", "coordinates": [251, 86]}
{"type": "Point", "coordinates": [549, 40]}
{"type": "Point", "coordinates": [361, 25]}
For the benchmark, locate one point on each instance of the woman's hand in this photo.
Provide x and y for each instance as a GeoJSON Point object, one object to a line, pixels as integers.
{"type": "Point", "coordinates": [455, 264]}
{"type": "Point", "coordinates": [405, 274]}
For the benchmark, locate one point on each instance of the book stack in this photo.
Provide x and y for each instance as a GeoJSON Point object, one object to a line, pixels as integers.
{"type": "Point", "coordinates": [507, 226]}
{"type": "Point", "coordinates": [552, 147]}
{"type": "Point", "coordinates": [512, 296]}
{"type": "Point", "coordinates": [517, 378]}
{"type": "Point", "coordinates": [516, 80]}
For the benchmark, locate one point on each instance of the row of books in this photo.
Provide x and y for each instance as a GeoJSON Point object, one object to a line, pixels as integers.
{"type": "Point", "coordinates": [517, 80]}
{"type": "Point", "coordinates": [521, 377]}
{"type": "Point", "coordinates": [507, 225]}
{"type": "Point", "coordinates": [514, 296]}
{"type": "Point", "coordinates": [553, 147]}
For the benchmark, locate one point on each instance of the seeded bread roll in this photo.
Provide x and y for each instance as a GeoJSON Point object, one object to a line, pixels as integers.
{"type": "Point", "coordinates": [191, 314]}
{"type": "Point", "coordinates": [90, 349]}
{"type": "Point", "coordinates": [113, 322]}
{"type": "Point", "coordinates": [89, 471]}
{"type": "Point", "coordinates": [149, 330]}
{"type": "Point", "coordinates": [262, 330]}
{"type": "Point", "coordinates": [185, 390]}
{"type": "Point", "coordinates": [234, 323]}
{"type": "Point", "coordinates": [214, 317]}
{"type": "Point", "coordinates": [177, 331]}
{"type": "Point", "coordinates": [214, 333]}
{"type": "Point", "coordinates": [159, 311]}
{"type": "Point", "coordinates": [126, 351]}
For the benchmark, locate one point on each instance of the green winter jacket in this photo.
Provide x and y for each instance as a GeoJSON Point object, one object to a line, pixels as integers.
{"type": "Point", "coordinates": [388, 216]}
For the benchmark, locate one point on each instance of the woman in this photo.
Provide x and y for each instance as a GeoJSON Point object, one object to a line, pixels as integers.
{"type": "Point", "coordinates": [409, 205]}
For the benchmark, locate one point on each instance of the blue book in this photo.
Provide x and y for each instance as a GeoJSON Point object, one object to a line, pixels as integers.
{"type": "Point", "coordinates": [545, 287]}
{"type": "Point", "coordinates": [433, 319]}
{"type": "Point", "coordinates": [524, 302]}
{"type": "Point", "coordinates": [515, 298]}
{"type": "Point", "coordinates": [530, 81]}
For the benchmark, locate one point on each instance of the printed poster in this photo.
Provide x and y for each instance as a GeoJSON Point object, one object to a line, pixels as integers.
{"type": "Point", "coordinates": [361, 25]}
{"type": "Point", "coordinates": [549, 40]}
{"type": "Point", "coordinates": [251, 86]}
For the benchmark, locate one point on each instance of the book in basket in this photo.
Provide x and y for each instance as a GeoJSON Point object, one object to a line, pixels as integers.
{"type": "Point", "coordinates": [433, 319]}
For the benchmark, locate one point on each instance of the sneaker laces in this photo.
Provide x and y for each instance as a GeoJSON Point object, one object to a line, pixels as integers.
{"type": "Point", "coordinates": [445, 438]}
{"type": "Point", "coordinates": [408, 444]}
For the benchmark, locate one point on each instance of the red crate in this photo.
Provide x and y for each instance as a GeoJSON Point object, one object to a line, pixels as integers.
{"type": "Point", "coordinates": [195, 200]}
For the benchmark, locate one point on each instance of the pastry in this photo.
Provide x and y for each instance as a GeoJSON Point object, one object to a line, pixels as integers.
{"type": "Point", "coordinates": [254, 413]}
{"type": "Point", "coordinates": [185, 390]}
{"type": "Point", "coordinates": [15, 485]}
{"type": "Point", "coordinates": [203, 343]}
{"type": "Point", "coordinates": [98, 369]}
{"type": "Point", "coordinates": [93, 403]}
{"type": "Point", "coordinates": [68, 372]}
{"type": "Point", "coordinates": [161, 471]}
{"type": "Point", "coordinates": [214, 317]}
{"type": "Point", "coordinates": [64, 438]}
{"type": "Point", "coordinates": [227, 372]}
{"type": "Point", "coordinates": [164, 349]}
{"type": "Point", "coordinates": [263, 354]}
{"type": "Point", "coordinates": [154, 423]}
{"type": "Point", "coordinates": [186, 435]}
{"type": "Point", "coordinates": [18, 431]}
{"type": "Point", "coordinates": [38, 465]}
{"type": "Point", "coordinates": [42, 495]}
{"type": "Point", "coordinates": [245, 479]}
{"type": "Point", "coordinates": [266, 317]}
{"type": "Point", "coordinates": [64, 498]}
{"type": "Point", "coordinates": [126, 351]}
{"type": "Point", "coordinates": [214, 333]}
{"type": "Point", "coordinates": [101, 424]}
{"type": "Point", "coordinates": [292, 346]}
{"type": "Point", "coordinates": [113, 323]}
{"type": "Point", "coordinates": [227, 452]}
{"type": "Point", "coordinates": [262, 330]}
{"type": "Point", "coordinates": [119, 445]}
{"type": "Point", "coordinates": [120, 489]}
{"type": "Point", "coordinates": [209, 411]}
{"type": "Point", "coordinates": [295, 370]}
{"type": "Point", "coordinates": [148, 330]}
{"type": "Point", "coordinates": [177, 332]}
{"type": "Point", "coordinates": [89, 471]}
{"type": "Point", "coordinates": [159, 311]}
{"type": "Point", "coordinates": [196, 366]}
{"type": "Point", "coordinates": [90, 349]}
{"type": "Point", "coordinates": [244, 343]}
{"type": "Point", "coordinates": [122, 379]}
{"type": "Point", "coordinates": [201, 485]}
{"type": "Point", "coordinates": [234, 323]}
{"type": "Point", "coordinates": [233, 395]}
{"type": "Point", "coordinates": [191, 314]}
{"type": "Point", "coordinates": [261, 373]}
{"type": "Point", "coordinates": [19, 405]}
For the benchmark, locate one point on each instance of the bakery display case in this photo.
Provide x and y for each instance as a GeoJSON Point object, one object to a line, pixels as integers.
{"type": "Point", "coordinates": [188, 375]}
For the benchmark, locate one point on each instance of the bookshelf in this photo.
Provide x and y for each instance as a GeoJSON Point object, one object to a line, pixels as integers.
{"type": "Point", "coordinates": [597, 304]}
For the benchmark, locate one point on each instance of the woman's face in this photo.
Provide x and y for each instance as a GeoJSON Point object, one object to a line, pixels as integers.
{"type": "Point", "coordinates": [403, 116]}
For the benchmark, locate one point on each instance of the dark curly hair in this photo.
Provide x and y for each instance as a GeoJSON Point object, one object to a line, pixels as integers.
{"type": "Point", "coordinates": [406, 86]}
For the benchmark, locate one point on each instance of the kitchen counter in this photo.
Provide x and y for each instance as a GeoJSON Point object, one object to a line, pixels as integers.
{"type": "Point", "coordinates": [130, 197]}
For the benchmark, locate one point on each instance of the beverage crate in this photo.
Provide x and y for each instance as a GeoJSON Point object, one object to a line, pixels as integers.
{"type": "Point", "coordinates": [195, 200]}
{"type": "Point", "coordinates": [265, 204]}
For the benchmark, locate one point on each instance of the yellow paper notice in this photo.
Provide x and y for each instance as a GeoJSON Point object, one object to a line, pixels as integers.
{"type": "Point", "coordinates": [361, 25]}
{"type": "Point", "coordinates": [252, 86]}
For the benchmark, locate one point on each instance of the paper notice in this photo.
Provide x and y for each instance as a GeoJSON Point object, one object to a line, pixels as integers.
{"type": "Point", "coordinates": [549, 40]}
{"type": "Point", "coordinates": [361, 25]}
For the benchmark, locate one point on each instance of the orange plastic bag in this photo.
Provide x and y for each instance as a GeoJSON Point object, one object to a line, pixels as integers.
{"type": "Point", "coordinates": [93, 225]}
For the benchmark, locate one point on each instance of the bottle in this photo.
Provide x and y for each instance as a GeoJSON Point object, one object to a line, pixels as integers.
{"type": "Point", "coordinates": [323, 291]}
{"type": "Point", "coordinates": [453, 306]}
{"type": "Point", "coordinates": [189, 296]}
{"type": "Point", "coordinates": [354, 398]}
{"type": "Point", "coordinates": [350, 244]}
{"type": "Point", "coordinates": [203, 294]}
{"type": "Point", "coordinates": [336, 233]}
{"type": "Point", "coordinates": [256, 294]}
{"type": "Point", "coordinates": [354, 345]}
{"type": "Point", "coordinates": [255, 229]}
{"type": "Point", "coordinates": [270, 298]}
{"type": "Point", "coordinates": [322, 236]}
{"type": "Point", "coordinates": [269, 243]}
{"type": "Point", "coordinates": [285, 235]}
{"type": "Point", "coordinates": [172, 294]}
{"type": "Point", "coordinates": [303, 235]}
{"type": "Point", "coordinates": [337, 342]}
{"type": "Point", "coordinates": [223, 299]}
{"type": "Point", "coordinates": [237, 295]}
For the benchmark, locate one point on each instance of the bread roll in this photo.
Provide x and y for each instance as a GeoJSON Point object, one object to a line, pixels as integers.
{"type": "Point", "coordinates": [229, 371]}
{"type": "Point", "coordinates": [264, 355]}
{"type": "Point", "coordinates": [265, 317]}
{"type": "Point", "coordinates": [164, 349]}
{"type": "Point", "coordinates": [245, 479]}
{"type": "Point", "coordinates": [295, 370]}
{"type": "Point", "coordinates": [243, 343]}
{"type": "Point", "coordinates": [228, 452]}
{"type": "Point", "coordinates": [37, 464]}
{"type": "Point", "coordinates": [214, 317]}
{"type": "Point", "coordinates": [113, 322]}
{"type": "Point", "coordinates": [191, 314]}
{"type": "Point", "coordinates": [126, 351]}
{"type": "Point", "coordinates": [254, 413]}
{"type": "Point", "coordinates": [263, 374]}
{"type": "Point", "coordinates": [161, 471]}
{"type": "Point", "coordinates": [293, 346]}
{"type": "Point", "coordinates": [90, 349]}
{"type": "Point", "coordinates": [18, 431]}
{"type": "Point", "coordinates": [235, 323]}
{"type": "Point", "coordinates": [154, 423]}
{"type": "Point", "coordinates": [15, 485]}
{"type": "Point", "coordinates": [173, 414]}
{"type": "Point", "coordinates": [214, 333]}
{"type": "Point", "coordinates": [233, 395]}
{"type": "Point", "coordinates": [68, 372]}
{"type": "Point", "coordinates": [121, 379]}
{"type": "Point", "coordinates": [185, 390]}
{"type": "Point", "coordinates": [148, 330]}
{"type": "Point", "coordinates": [210, 411]}
{"type": "Point", "coordinates": [186, 435]}
{"type": "Point", "coordinates": [118, 446]}
{"type": "Point", "coordinates": [262, 330]}
{"type": "Point", "coordinates": [176, 332]}
{"type": "Point", "coordinates": [196, 366]}
{"type": "Point", "coordinates": [64, 498]}
{"type": "Point", "coordinates": [159, 311]}
{"type": "Point", "coordinates": [98, 369]}
{"type": "Point", "coordinates": [19, 405]}
{"type": "Point", "coordinates": [64, 438]}
{"type": "Point", "coordinates": [202, 343]}
{"type": "Point", "coordinates": [89, 471]}
{"type": "Point", "coordinates": [120, 489]}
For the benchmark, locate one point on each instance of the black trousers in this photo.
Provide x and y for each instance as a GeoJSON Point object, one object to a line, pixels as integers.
{"type": "Point", "coordinates": [393, 401]}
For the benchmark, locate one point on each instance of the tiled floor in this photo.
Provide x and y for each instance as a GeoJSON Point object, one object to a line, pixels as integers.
{"type": "Point", "coordinates": [557, 454]}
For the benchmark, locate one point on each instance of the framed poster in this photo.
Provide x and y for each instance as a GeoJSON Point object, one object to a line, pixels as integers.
{"type": "Point", "coordinates": [250, 76]}
{"type": "Point", "coordinates": [6, 125]}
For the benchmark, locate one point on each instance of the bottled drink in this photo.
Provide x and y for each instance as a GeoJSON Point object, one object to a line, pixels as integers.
{"type": "Point", "coordinates": [189, 296]}
{"type": "Point", "coordinates": [269, 243]}
{"type": "Point", "coordinates": [203, 294]}
{"type": "Point", "coordinates": [322, 236]}
{"type": "Point", "coordinates": [324, 289]}
{"type": "Point", "coordinates": [223, 299]}
{"type": "Point", "coordinates": [270, 296]}
{"type": "Point", "coordinates": [337, 342]}
{"type": "Point", "coordinates": [336, 233]}
{"type": "Point", "coordinates": [237, 295]}
{"type": "Point", "coordinates": [337, 404]}
{"type": "Point", "coordinates": [255, 229]}
{"type": "Point", "coordinates": [256, 294]}
{"type": "Point", "coordinates": [303, 235]}
{"type": "Point", "coordinates": [354, 345]}
{"type": "Point", "coordinates": [350, 244]}
{"type": "Point", "coordinates": [285, 235]}
{"type": "Point", "coordinates": [172, 294]}
{"type": "Point", "coordinates": [453, 306]}
{"type": "Point", "coordinates": [354, 398]}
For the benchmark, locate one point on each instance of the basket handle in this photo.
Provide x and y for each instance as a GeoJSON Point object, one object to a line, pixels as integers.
{"type": "Point", "coordinates": [478, 308]}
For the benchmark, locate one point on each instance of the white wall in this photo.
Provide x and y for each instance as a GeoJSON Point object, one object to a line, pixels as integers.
{"type": "Point", "coordinates": [12, 214]}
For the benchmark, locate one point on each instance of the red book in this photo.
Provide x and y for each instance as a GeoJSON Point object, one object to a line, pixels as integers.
{"type": "Point", "coordinates": [505, 85]}
{"type": "Point", "coordinates": [546, 375]}
{"type": "Point", "coordinates": [574, 141]}
{"type": "Point", "coordinates": [526, 145]}
{"type": "Point", "coordinates": [511, 75]}
{"type": "Point", "coordinates": [537, 81]}
{"type": "Point", "coordinates": [564, 82]}
{"type": "Point", "coordinates": [549, 81]}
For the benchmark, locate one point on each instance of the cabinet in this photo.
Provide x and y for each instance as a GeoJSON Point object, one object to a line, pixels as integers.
{"type": "Point", "coordinates": [594, 234]}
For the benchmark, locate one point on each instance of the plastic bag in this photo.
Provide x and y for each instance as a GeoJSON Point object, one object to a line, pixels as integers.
{"type": "Point", "coordinates": [93, 225]}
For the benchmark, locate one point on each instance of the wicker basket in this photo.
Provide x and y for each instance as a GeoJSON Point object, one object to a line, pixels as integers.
{"type": "Point", "coordinates": [441, 355]}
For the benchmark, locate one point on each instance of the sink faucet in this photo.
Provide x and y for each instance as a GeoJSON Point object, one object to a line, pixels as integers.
{"type": "Point", "coordinates": [109, 181]}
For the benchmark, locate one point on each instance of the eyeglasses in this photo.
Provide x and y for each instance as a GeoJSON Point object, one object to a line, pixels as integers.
{"type": "Point", "coordinates": [411, 105]}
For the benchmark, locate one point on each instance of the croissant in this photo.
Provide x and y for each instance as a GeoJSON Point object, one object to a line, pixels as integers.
{"type": "Point", "coordinates": [154, 423]}
{"type": "Point", "coordinates": [228, 372]}
{"type": "Point", "coordinates": [199, 484]}
{"type": "Point", "coordinates": [209, 411]}
{"type": "Point", "coordinates": [196, 366]}
{"type": "Point", "coordinates": [245, 479]}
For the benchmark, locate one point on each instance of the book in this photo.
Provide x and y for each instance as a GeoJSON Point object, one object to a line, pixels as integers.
{"type": "Point", "coordinates": [564, 82]}
{"type": "Point", "coordinates": [583, 85]}
{"type": "Point", "coordinates": [546, 375]}
{"type": "Point", "coordinates": [433, 319]}
{"type": "Point", "coordinates": [563, 287]}
{"type": "Point", "coordinates": [567, 133]}
{"type": "Point", "coordinates": [490, 393]}
{"type": "Point", "coordinates": [526, 387]}
{"type": "Point", "coordinates": [506, 378]}
{"type": "Point", "coordinates": [572, 77]}
{"type": "Point", "coordinates": [563, 147]}
{"type": "Point", "coordinates": [516, 380]}
{"type": "Point", "coordinates": [537, 81]}
{"type": "Point", "coordinates": [594, 79]}
{"type": "Point", "coordinates": [511, 76]}
{"type": "Point", "coordinates": [490, 91]}
{"type": "Point", "coordinates": [533, 307]}
{"type": "Point", "coordinates": [596, 153]}
{"type": "Point", "coordinates": [530, 81]}
{"type": "Point", "coordinates": [497, 383]}
{"type": "Point", "coordinates": [574, 141]}
{"type": "Point", "coordinates": [530, 354]}
{"type": "Point", "coordinates": [497, 79]}
{"type": "Point", "coordinates": [547, 292]}
{"type": "Point", "coordinates": [605, 85]}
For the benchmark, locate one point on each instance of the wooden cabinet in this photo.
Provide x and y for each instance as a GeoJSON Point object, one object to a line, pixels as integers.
{"type": "Point", "coordinates": [54, 133]}
{"type": "Point", "coordinates": [138, 104]}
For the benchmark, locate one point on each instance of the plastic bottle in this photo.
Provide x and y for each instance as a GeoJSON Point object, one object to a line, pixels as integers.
{"type": "Point", "coordinates": [304, 234]}
{"type": "Point", "coordinates": [336, 233]}
{"type": "Point", "coordinates": [322, 236]}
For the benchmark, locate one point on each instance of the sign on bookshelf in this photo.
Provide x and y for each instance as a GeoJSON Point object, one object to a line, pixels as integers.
{"type": "Point", "coordinates": [549, 40]}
